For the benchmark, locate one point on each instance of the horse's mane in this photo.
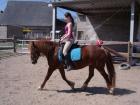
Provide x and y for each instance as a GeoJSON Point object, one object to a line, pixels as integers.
{"type": "Point", "coordinates": [44, 44]}
{"type": "Point", "coordinates": [48, 43]}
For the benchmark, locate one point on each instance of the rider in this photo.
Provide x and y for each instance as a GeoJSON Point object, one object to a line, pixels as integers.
{"type": "Point", "coordinates": [68, 38]}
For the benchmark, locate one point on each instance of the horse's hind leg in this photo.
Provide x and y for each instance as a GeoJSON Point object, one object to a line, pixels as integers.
{"type": "Point", "coordinates": [91, 74]}
{"type": "Point", "coordinates": [70, 83]}
{"type": "Point", "coordinates": [106, 77]}
{"type": "Point", "coordinates": [49, 73]}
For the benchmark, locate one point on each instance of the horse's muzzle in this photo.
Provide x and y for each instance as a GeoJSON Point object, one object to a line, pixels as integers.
{"type": "Point", "coordinates": [34, 62]}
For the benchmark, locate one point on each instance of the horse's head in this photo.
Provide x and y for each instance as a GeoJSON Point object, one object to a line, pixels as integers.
{"type": "Point", "coordinates": [34, 51]}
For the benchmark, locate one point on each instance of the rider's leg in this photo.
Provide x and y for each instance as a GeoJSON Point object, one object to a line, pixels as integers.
{"type": "Point", "coordinates": [66, 48]}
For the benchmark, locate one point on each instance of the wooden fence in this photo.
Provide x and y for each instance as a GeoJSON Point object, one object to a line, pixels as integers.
{"type": "Point", "coordinates": [7, 47]}
{"type": "Point", "coordinates": [18, 46]}
{"type": "Point", "coordinates": [24, 43]}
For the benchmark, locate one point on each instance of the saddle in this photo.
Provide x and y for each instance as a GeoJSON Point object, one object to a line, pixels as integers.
{"type": "Point", "coordinates": [74, 54]}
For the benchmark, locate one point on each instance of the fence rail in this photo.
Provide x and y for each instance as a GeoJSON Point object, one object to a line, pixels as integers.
{"type": "Point", "coordinates": [7, 40]}
{"type": "Point", "coordinates": [22, 45]}
{"type": "Point", "coordinates": [7, 47]}
{"type": "Point", "coordinates": [84, 42]}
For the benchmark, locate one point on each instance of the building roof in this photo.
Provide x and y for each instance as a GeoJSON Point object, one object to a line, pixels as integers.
{"type": "Point", "coordinates": [27, 13]}
{"type": "Point", "coordinates": [94, 6]}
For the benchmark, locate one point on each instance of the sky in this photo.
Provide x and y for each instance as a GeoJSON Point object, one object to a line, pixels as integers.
{"type": "Point", "coordinates": [3, 4]}
{"type": "Point", "coordinates": [60, 11]}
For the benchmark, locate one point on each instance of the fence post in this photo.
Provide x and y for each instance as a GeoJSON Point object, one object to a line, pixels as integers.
{"type": "Point", "coordinates": [130, 48]}
{"type": "Point", "coordinates": [14, 43]}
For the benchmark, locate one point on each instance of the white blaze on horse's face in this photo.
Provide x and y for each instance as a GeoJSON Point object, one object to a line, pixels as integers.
{"type": "Point", "coordinates": [34, 53]}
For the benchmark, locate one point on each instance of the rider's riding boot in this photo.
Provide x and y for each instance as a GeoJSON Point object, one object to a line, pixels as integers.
{"type": "Point", "coordinates": [67, 63]}
{"type": "Point", "coordinates": [64, 61]}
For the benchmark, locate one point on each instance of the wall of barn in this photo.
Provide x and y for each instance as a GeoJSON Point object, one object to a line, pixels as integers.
{"type": "Point", "coordinates": [85, 30]}
{"type": "Point", "coordinates": [115, 28]}
{"type": "Point", "coordinates": [3, 32]}
{"type": "Point", "coordinates": [14, 31]}
{"type": "Point", "coordinates": [105, 26]}
{"type": "Point", "coordinates": [37, 32]}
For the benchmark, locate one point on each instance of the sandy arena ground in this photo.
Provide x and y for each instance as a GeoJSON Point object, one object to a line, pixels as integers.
{"type": "Point", "coordinates": [19, 80]}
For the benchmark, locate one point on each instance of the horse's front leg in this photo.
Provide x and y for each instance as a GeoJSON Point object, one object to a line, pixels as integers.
{"type": "Point", "coordinates": [70, 83]}
{"type": "Point", "coordinates": [91, 74]}
{"type": "Point", "coordinates": [49, 73]}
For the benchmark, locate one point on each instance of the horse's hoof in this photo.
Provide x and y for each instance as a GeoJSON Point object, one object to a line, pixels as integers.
{"type": "Point", "coordinates": [72, 85]}
{"type": "Point", "coordinates": [84, 87]}
{"type": "Point", "coordinates": [111, 91]}
{"type": "Point", "coordinates": [39, 88]}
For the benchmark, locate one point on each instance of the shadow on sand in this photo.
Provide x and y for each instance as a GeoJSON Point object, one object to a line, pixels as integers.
{"type": "Point", "coordinates": [99, 90]}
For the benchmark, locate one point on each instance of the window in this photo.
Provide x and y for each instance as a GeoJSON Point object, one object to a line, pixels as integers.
{"type": "Point", "coordinates": [80, 35]}
{"type": "Point", "coordinates": [82, 18]}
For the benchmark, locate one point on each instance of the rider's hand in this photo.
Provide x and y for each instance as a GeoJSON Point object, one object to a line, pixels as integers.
{"type": "Point", "coordinates": [62, 38]}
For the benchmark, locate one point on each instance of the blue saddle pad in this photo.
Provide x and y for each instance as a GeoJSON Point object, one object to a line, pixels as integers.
{"type": "Point", "coordinates": [75, 54]}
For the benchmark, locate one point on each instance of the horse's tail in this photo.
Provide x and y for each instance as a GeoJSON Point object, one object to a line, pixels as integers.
{"type": "Point", "coordinates": [110, 69]}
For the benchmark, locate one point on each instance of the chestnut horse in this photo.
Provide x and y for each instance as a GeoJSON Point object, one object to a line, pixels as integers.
{"type": "Point", "coordinates": [92, 56]}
